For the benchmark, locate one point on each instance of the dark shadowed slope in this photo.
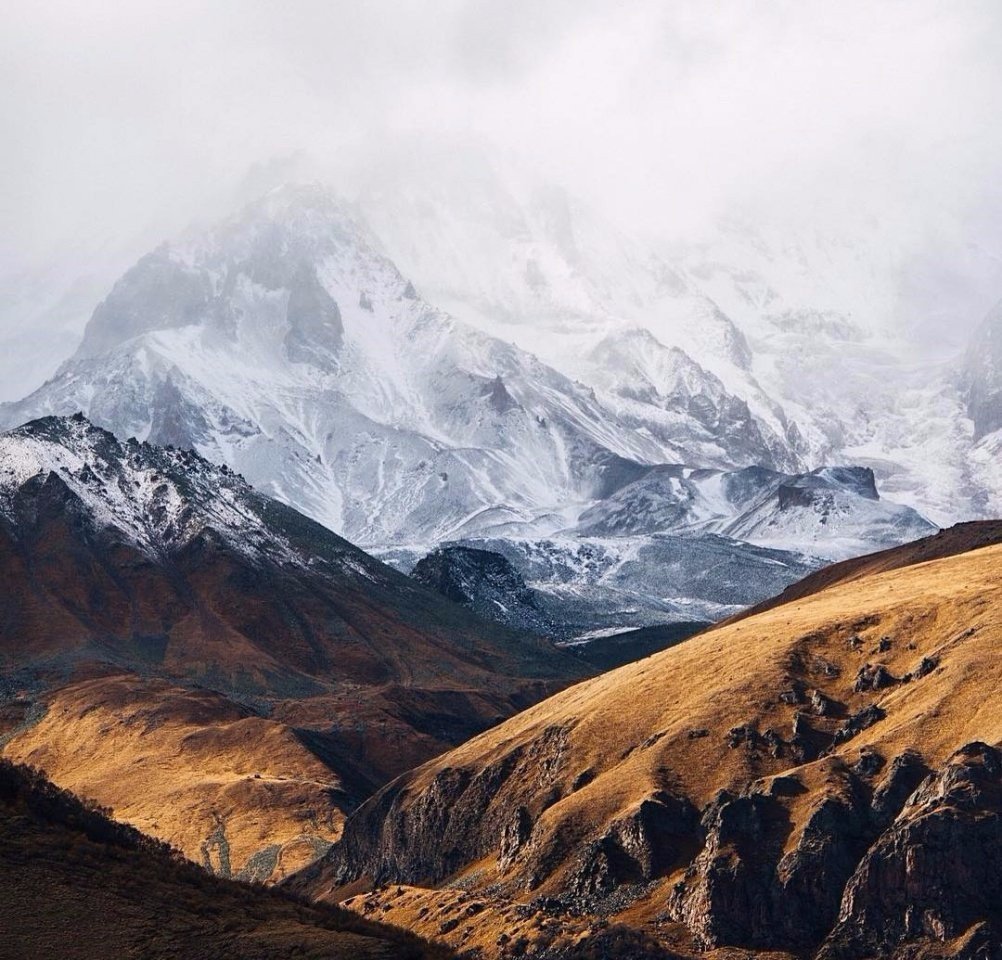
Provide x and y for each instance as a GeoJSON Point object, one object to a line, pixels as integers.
{"type": "Point", "coordinates": [76, 885]}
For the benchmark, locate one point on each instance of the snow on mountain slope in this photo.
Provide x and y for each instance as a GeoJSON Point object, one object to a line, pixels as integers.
{"type": "Point", "coordinates": [663, 391]}
{"type": "Point", "coordinates": [504, 250]}
{"type": "Point", "coordinates": [830, 512]}
{"type": "Point", "coordinates": [282, 343]}
{"type": "Point", "coordinates": [593, 584]}
{"type": "Point", "coordinates": [841, 345]}
{"type": "Point", "coordinates": [156, 499]}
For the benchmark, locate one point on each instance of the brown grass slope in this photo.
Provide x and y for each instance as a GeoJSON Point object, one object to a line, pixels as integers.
{"type": "Point", "coordinates": [233, 700]}
{"type": "Point", "coordinates": [822, 778]}
{"type": "Point", "coordinates": [960, 538]}
{"type": "Point", "coordinates": [76, 885]}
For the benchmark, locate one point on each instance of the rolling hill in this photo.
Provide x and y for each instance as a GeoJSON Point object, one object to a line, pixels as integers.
{"type": "Point", "coordinates": [821, 779]}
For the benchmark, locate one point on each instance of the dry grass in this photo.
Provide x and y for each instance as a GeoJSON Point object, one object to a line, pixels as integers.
{"type": "Point", "coordinates": [664, 722]}
{"type": "Point", "coordinates": [186, 766]}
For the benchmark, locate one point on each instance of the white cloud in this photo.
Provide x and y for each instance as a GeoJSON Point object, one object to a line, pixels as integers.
{"type": "Point", "coordinates": [128, 118]}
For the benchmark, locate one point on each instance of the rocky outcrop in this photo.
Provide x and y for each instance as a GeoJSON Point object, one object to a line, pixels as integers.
{"type": "Point", "coordinates": [888, 855]}
{"type": "Point", "coordinates": [486, 583]}
{"type": "Point", "coordinates": [876, 863]}
{"type": "Point", "coordinates": [759, 882]}
{"type": "Point", "coordinates": [934, 875]}
{"type": "Point", "coordinates": [315, 327]}
{"type": "Point", "coordinates": [646, 843]}
{"type": "Point", "coordinates": [396, 837]}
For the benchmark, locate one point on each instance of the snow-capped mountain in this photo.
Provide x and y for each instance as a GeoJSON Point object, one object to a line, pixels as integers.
{"type": "Point", "coordinates": [157, 500]}
{"type": "Point", "coordinates": [826, 338]}
{"type": "Point", "coordinates": [683, 543]}
{"type": "Point", "coordinates": [592, 586]}
{"type": "Point", "coordinates": [285, 343]}
{"type": "Point", "coordinates": [520, 257]}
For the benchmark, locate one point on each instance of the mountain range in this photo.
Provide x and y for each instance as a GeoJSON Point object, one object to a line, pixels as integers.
{"type": "Point", "coordinates": [285, 342]}
{"type": "Point", "coordinates": [314, 547]}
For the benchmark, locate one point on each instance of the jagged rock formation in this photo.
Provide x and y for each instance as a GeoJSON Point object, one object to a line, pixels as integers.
{"type": "Point", "coordinates": [832, 511]}
{"type": "Point", "coordinates": [192, 653]}
{"type": "Point", "coordinates": [486, 583]}
{"type": "Point", "coordinates": [742, 790]}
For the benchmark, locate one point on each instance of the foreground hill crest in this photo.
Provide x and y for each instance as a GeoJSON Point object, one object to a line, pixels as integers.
{"type": "Point", "coordinates": [822, 777]}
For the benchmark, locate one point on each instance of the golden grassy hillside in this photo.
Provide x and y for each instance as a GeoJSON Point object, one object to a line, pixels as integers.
{"type": "Point", "coordinates": [724, 788]}
{"type": "Point", "coordinates": [235, 792]}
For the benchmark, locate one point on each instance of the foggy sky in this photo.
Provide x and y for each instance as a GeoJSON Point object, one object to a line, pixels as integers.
{"type": "Point", "coordinates": [124, 120]}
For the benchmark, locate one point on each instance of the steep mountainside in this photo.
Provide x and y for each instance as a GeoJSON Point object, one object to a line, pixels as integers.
{"type": "Point", "coordinates": [284, 343]}
{"type": "Point", "coordinates": [75, 884]}
{"type": "Point", "coordinates": [822, 778]}
{"type": "Point", "coordinates": [191, 653]}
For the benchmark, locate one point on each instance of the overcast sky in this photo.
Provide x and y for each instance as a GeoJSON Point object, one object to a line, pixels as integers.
{"type": "Point", "coordinates": [126, 119]}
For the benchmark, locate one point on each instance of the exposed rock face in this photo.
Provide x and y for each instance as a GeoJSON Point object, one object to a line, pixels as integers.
{"type": "Point", "coordinates": [644, 844]}
{"type": "Point", "coordinates": [749, 886]}
{"type": "Point", "coordinates": [933, 875]}
{"type": "Point", "coordinates": [485, 582]}
{"type": "Point", "coordinates": [315, 329]}
{"type": "Point", "coordinates": [431, 838]}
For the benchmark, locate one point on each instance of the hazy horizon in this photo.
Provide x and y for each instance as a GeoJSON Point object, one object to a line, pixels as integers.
{"type": "Point", "coordinates": [858, 122]}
